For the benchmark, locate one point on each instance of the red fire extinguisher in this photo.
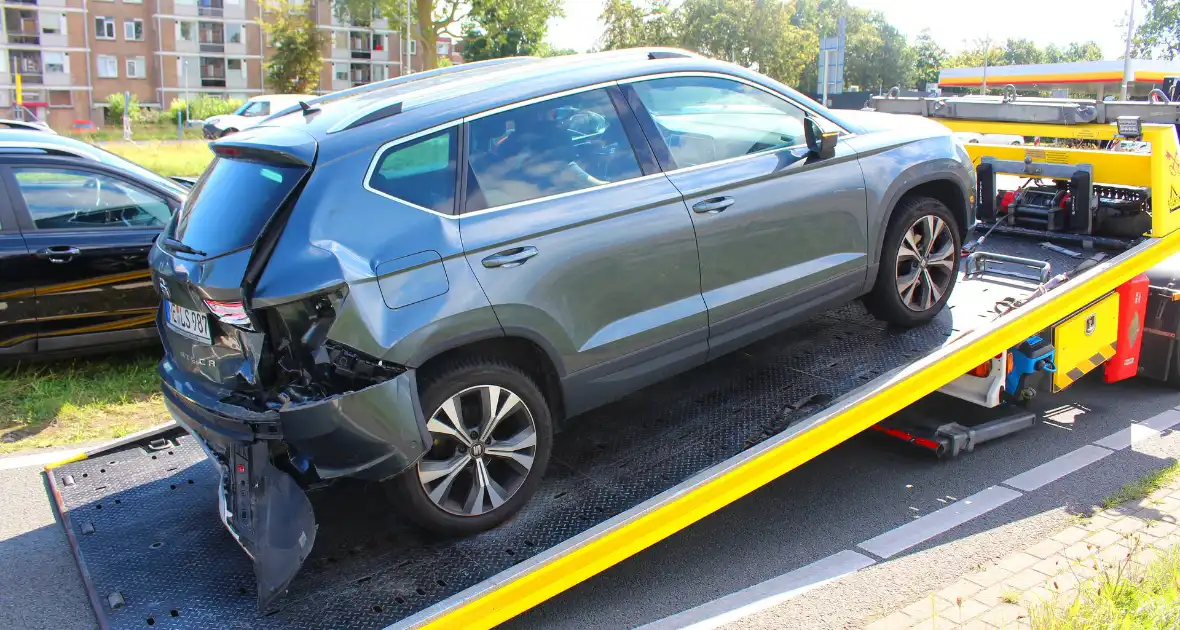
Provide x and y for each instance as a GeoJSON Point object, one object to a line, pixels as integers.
{"type": "Point", "coordinates": [1132, 311]}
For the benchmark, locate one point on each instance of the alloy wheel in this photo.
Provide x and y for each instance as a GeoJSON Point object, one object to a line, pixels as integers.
{"type": "Point", "coordinates": [484, 444]}
{"type": "Point", "coordinates": [925, 263]}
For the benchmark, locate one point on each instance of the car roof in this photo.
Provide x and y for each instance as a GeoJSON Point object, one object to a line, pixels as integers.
{"type": "Point", "coordinates": [396, 107]}
{"type": "Point", "coordinates": [24, 142]}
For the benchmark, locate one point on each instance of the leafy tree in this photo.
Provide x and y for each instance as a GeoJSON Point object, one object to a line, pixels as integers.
{"type": "Point", "coordinates": [1053, 54]}
{"type": "Point", "coordinates": [1158, 35]}
{"type": "Point", "coordinates": [294, 67]}
{"type": "Point", "coordinates": [429, 19]}
{"type": "Point", "coordinates": [506, 28]}
{"type": "Point", "coordinates": [929, 58]}
{"type": "Point", "coordinates": [628, 25]}
{"type": "Point", "coordinates": [1084, 51]}
{"type": "Point", "coordinates": [753, 33]}
{"type": "Point", "coordinates": [1020, 51]}
{"type": "Point", "coordinates": [545, 49]}
{"type": "Point", "coordinates": [875, 54]}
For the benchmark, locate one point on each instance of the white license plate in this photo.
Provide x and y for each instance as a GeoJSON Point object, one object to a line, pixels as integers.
{"type": "Point", "coordinates": [188, 322]}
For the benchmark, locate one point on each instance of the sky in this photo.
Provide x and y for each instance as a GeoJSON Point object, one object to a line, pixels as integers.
{"type": "Point", "coordinates": [952, 23]}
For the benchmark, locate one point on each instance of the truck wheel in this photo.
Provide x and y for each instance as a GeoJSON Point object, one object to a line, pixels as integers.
{"type": "Point", "coordinates": [919, 263]}
{"type": "Point", "coordinates": [492, 434]}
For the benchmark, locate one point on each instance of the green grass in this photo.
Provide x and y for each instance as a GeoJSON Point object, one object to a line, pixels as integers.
{"type": "Point", "coordinates": [80, 400]}
{"type": "Point", "coordinates": [114, 132]}
{"type": "Point", "coordinates": [186, 159]}
{"type": "Point", "coordinates": [1143, 486]}
{"type": "Point", "coordinates": [1147, 599]}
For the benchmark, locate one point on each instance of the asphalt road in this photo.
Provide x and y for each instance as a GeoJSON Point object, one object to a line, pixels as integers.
{"type": "Point", "coordinates": [863, 488]}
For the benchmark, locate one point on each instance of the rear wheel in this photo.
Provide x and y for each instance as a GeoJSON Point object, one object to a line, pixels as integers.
{"type": "Point", "coordinates": [492, 434]}
{"type": "Point", "coordinates": [919, 263]}
{"type": "Point", "coordinates": [229, 131]}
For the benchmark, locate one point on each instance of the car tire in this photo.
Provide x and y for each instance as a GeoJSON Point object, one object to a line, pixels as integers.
{"type": "Point", "coordinates": [439, 492]}
{"type": "Point", "coordinates": [901, 295]}
{"type": "Point", "coordinates": [229, 131]}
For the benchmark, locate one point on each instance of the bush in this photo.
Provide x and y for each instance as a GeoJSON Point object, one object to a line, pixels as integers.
{"type": "Point", "coordinates": [175, 108]}
{"type": "Point", "coordinates": [115, 108]}
{"type": "Point", "coordinates": [202, 107]}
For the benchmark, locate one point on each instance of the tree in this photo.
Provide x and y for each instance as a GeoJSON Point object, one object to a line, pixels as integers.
{"type": "Point", "coordinates": [875, 54]}
{"type": "Point", "coordinates": [1084, 51]}
{"type": "Point", "coordinates": [754, 33]}
{"type": "Point", "coordinates": [295, 65]}
{"type": "Point", "coordinates": [1158, 35]}
{"type": "Point", "coordinates": [1016, 52]}
{"type": "Point", "coordinates": [929, 58]}
{"type": "Point", "coordinates": [506, 28]}
{"type": "Point", "coordinates": [628, 25]}
{"type": "Point", "coordinates": [429, 19]}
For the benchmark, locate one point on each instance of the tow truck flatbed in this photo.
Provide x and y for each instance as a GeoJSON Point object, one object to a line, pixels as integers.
{"type": "Point", "coordinates": [145, 530]}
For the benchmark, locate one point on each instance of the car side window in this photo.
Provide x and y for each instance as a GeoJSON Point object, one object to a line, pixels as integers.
{"type": "Point", "coordinates": [555, 146]}
{"type": "Point", "coordinates": [422, 171]}
{"type": "Point", "coordinates": [61, 198]}
{"type": "Point", "coordinates": [708, 119]}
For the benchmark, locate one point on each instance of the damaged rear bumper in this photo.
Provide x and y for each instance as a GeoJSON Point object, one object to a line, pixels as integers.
{"type": "Point", "coordinates": [372, 433]}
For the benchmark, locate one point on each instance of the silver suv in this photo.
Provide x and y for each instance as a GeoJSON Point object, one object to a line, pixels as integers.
{"type": "Point", "coordinates": [413, 281]}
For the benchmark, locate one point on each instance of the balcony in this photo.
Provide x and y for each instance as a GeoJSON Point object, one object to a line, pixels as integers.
{"type": "Point", "coordinates": [360, 54]}
{"type": "Point", "coordinates": [32, 2]}
{"type": "Point", "coordinates": [212, 47]}
{"type": "Point", "coordinates": [211, 8]}
{"type": "Point", "coordinates": [31, 77]}
{"type": "Point", "coordinates": [212, 80]}
{"type": "Point", "coordinates": [23, 39]}
{"type": "Point", "coordinates": [211, 36]}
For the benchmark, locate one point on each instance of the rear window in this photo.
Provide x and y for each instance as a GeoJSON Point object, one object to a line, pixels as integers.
{"type": "Point", "coordinates": [233, 200]}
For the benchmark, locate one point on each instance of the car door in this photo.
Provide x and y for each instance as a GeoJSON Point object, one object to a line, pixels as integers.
{"type": "Point", "coordinates": [579, 242]}
{"type": "Point", "coordinates": [18, 314]}
{"type": "Point", "coordinates": [89, 232]}
{"type": "Point", "coordinates": [780, 232]}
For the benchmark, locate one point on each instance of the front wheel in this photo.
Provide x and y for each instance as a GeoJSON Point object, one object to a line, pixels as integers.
{"type": "Point", "coordinates": [919, 263]}
{"type": "Point", "coordinates": [491, 436]}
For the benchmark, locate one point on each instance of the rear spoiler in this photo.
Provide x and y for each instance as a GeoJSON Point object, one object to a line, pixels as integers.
{"type": "Point", "coordinates": [268, 144]}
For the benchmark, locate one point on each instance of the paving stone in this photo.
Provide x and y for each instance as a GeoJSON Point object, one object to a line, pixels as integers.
{"type": "Point", "coordinates": [1064, 583]}
{"type": "Point", "coordinates": [1045, 548]}
{"type": "Point", "coordinates": [1105, 538]}
{"type": "Point", "coordinates": [1018, 561]}
{"type": "Point", "coordinates": [989, 576]}
{"type": "Point", "coordinates": [1127, 525]}
{"type": "Point", "coordinates": [897, 621]}
{"type": "Point", "coordinates": [970, 609]}
{"type": "Point", "coordinates": [1052, 565]}
{"type": "Point", "coordinates": [1039, 595]}
{"type": "Point", "coordinates": [1070, 535]}
{"type": "Point", "coordinates": [926, 608]}
{"type": "Point", "coordinates": [962, 588]}
{"type": "Point", "coordinates": [934, 624]}
{"type": "Point", "coordinates": [1114, 555]}
{"type": "Point", "coordinates": [1004, 615]}
{"type": "Point", "coordinates": [1098, 522]}
{"type": "Point", "coordinates": [1160, 528]}
{"type": "Point", "coordinates": [1025, 579]}
{"type": "Point", "coordinates": [993, 595]}
{"type": "Point", "coordinates": [977, 624]}
{"type": "Point", "coordinates": [1079, 551]}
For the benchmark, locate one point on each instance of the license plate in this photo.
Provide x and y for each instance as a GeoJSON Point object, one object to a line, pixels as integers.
{"type": "Point", "coordinates": [188, 322]}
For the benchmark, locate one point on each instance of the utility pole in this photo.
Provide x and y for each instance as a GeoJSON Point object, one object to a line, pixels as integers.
{"type": "Point", "coordinates": [408, 67]}
{"type": "Point", "coordinates": [824, 102]}
{"type": "Point", "coordinates": [1127, 75]}
{"type": "Point", "coordinates": [987, 48]}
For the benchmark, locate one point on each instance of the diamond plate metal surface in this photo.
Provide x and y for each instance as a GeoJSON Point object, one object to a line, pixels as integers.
{"type": "Point", "coordinates": [158, 542]}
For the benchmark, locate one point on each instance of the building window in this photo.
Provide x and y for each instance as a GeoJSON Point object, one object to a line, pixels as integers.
{"type": "Point", "coordinates": [186, 31]}
{"type": "Point", "coordinates": [136, 68]}
{"type": "Point", "coordinates": [61, 98]}
{"type": "Point", "coordinates": [236, 67]}
{"type": "Point", "coordinates": [340, 71]}
{"type": "Point", "coordinates": [235, 34]}
{"type": "Point", "coordinates": [108, 67]}
{"type": "Point", "coordinates": [133, 1]}
{"type": "Point", "coordinates": [413, 47]}
{"type": "Point", "coordinates": [442, 48]}
{"type": "Point", "coordinates": [104, 28]}
{"type": "Point", "coordinates": [133, 30]}
{"type": "Point", "coordinates": [53, 23]}
{"type": "Point", "coordinates": [55, 62]}
{"type": "Point", "coordinates": [184, 1]}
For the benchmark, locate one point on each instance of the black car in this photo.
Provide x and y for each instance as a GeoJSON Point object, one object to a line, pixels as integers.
{"type": "Point", "coordinates": [76, 225]}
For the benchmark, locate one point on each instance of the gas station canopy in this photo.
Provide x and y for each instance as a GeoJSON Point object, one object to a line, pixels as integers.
{"type": "Point", "coordinates": [1093, 77]}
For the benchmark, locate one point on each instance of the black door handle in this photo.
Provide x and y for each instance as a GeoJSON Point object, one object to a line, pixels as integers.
{"type": "Point", "coordinates": [713, 206]}
{"type": "Point", "coordinates": [59, 253]}
{"type": "Point", "coordinates": [514, 257]}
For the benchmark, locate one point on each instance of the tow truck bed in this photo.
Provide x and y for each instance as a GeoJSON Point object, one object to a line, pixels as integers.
{"type": "Point", "coordinates": [622, 477]}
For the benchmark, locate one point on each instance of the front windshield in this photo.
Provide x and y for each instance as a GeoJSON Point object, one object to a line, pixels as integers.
{"type": "Point", "coordinates": [123, 164]}
{"type": "Point", "coordinates": [254, 108]}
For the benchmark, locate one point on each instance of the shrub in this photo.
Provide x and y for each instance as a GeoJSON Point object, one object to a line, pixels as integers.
{"type": "Point", "coordinates": [115, 107]}
{"type": "Point", "coordinates": [177, 106]}
{"type": "Point", "coordinates": [203, 107]}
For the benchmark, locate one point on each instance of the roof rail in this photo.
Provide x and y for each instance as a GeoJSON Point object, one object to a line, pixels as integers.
{"type": "Point", "coordinates": [669, 54]}
{"type": "Point", "coordinates": [13, 146]}
{"type": "Point", "coordinates": [405, 78]}
{"type": "Point", "coordinates": [377, 114]}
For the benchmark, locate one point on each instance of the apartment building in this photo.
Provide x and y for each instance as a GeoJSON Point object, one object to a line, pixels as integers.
{"type": "Point", "coordinates": [72, 54]}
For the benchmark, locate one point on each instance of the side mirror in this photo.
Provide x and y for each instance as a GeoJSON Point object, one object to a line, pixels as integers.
{"type": "Point", "coordinates": [821, 144]}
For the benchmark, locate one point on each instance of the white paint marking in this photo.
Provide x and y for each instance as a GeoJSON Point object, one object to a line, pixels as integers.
{"type": "Point", "coordinates": [1126, 437]}
{"type": "Point", "coordinates": [37, 459]}
{"type": "Point", "coordinates": [901, 538]}
{"type": "Point", "coordinates": [761, 596]}
{"type": "Point", "coordinates": [1055, 469]}
{"type": "Point", "coordinates": [1163, 421]}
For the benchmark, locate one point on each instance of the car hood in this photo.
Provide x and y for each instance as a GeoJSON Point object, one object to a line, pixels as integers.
{"type": "Point", "coordinates": [229, 120]}
{"type": "Point", "coordinates": [869, 121]}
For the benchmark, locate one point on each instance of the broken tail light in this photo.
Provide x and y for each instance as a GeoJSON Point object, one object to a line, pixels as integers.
{"type": "Point", "coordinates": [232, 313]}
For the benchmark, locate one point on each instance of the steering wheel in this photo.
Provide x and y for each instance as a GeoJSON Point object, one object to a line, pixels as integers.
{"type": "Point", "coordinates": [96, 184]}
